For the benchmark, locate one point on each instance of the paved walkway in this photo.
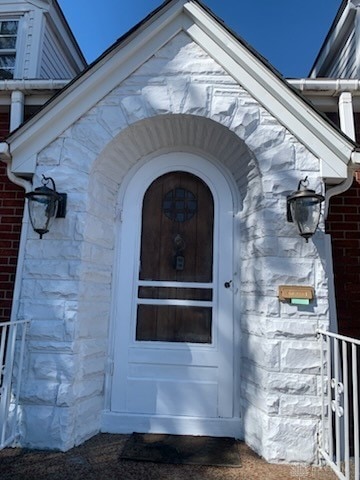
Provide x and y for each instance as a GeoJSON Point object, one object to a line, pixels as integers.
{"type": "Point", "coordinates": [98, 459]}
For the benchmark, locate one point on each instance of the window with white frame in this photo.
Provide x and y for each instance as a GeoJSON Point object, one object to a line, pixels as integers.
{"type": "Point", "coordinates": [8, 37]}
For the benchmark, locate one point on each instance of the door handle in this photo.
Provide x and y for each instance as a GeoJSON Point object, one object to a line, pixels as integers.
{"type": "Point", "coordinates": [228, 284]}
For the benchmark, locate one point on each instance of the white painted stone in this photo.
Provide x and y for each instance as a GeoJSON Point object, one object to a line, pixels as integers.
{"type": "Point", "coordinates": [33, 309]}
{"type": "Point", "coordinates": [90, 134]}
{"type": "Point", "coordinates": [97, 322]}
{"type": "Point", "coordinates": [293, 406]}
{"type": "Point", "coordinates": [245, 120]}
{"type": "Point", "coordinates": [269, 272]}
{"type": "Point", "coordinates": [255, 427]}
{"type": "Point", "coordinates": [157, 100]}
{"type": "Point", "coordinates": [291, 440]}
{"type": "Point", "coordinates": [281, 159]}
{"type": "Point", "coordinates": [57, 427]}
{"type": "Point", "coordinates": [104, 255]}
{"type": "Point", "coordinates": [51, 155]}
{"type": "Point", "coordinates": [202, 104]}
{"type": "Point", "coordinates": [56, 249]}
{"type": "Point", "coordinates": [88, 418]}
{"type": "Point", "coordinates": [67, 277]}
{"type": "Point", "coordinates": [68, 394]}
{"type": "Point", "coordinates": [91, 272]}
{"type": "Point", "coordinates": [296, 329]}
{"type": "Point", "coordinates": [266, 137]}
{"type": "Point", "coordinates": [55, 269]}
{"type": "Point", "coordinates": [79, 181]}
{"type": "Point", "coordinates": [292, 384]}
{"type": "Point", "coordinates": [268, 403]}
{"type": "Point", "coordinates": [53, 367]}
{"type": "Point", "coordinates": [94, 365]}
{"type": "Point", "coordinates": [49, 346]}
{"type": "Point", "coordinates": [263, 353]}
{"type": "Point", "coordinates": [318, 309]}
{"type": "Point", "coordinates": [305, 161]}
{"type": "Point", "coordinates": [112, 119]}
{"type": "Point", "coordinates": [300, 356]}
{"type": "Point", "coordinates": [223, 106]}
{"type": "Point", "coordinates": [77, 156]}
{"type": "Point", "coordinates": [39, 392]}
{"type": "Point", "coordinates": [133, 108]}
{"type": "Point", "coordinates": [180, 55]}
{"type": "Point", "coordinates": [94, 346]}
{"type": "Point", "coordinates": [49, 330]}
{"type": "Point", "coordinates": [273, 328]}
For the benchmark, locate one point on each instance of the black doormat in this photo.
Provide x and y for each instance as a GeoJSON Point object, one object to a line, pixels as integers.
{"type": "Point", "coordinates": [182, 449]}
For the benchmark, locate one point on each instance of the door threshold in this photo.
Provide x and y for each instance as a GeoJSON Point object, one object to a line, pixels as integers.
{"type": "Point", "coordinates": [113, 422]}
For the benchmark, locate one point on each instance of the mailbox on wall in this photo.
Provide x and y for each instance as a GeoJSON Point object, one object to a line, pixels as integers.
{"type": "Point", "coordinates": [297, 295]}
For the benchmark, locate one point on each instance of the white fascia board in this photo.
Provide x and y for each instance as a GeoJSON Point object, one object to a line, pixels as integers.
{"type": "Point", "coordinates": [89, 89]}
{"type": "Point", "coordinates": [270, 91]}
{"type": "Point", "coordinates": [333, 175]}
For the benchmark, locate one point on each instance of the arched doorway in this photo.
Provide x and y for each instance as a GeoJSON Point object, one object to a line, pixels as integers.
{"type": "Point", "coordinates": [173, 302]}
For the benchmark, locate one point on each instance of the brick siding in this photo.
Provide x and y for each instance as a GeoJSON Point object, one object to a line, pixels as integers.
{"type": "Point", "coordinates": [11, 212]}
{"type": "Point", "coordinates": [343, 224]}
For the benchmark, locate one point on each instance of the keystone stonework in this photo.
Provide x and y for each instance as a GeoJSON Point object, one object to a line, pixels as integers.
{"type": "Point", "coordinates": [179, 100]}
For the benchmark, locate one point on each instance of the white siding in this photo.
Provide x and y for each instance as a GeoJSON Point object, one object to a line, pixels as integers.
{"type": "Point", "coordinates": [344, 64]}
{"type": "Point", "coordinates": [54, 62]}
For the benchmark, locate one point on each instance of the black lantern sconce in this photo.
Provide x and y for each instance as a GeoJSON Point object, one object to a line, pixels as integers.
{"type": "Point", "coordinates": [304, 208]}
{"type": "Point", "coordinates": [45, 204]}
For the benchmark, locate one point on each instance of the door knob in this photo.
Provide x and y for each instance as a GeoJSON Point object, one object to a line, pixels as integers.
{"type": "Point", "coordinates": [228, 284]}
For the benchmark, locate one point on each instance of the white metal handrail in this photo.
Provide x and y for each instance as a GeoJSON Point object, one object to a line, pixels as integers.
{"type": "Point", "coordinates": [12, 344]}
{"type": "Point", "coordinates": [339, 441]}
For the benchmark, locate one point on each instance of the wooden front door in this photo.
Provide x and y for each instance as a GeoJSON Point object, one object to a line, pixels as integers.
{"type": "Point", "coordinates": [175, 293]}
{"type": "Point", "coordinates": [174, 361]}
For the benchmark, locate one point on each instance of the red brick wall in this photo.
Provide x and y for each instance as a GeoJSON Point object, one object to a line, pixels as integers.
{"type": "Point", "coordinates": [11, 212]}
{"type": "Point", "coordinates": [343, 225]}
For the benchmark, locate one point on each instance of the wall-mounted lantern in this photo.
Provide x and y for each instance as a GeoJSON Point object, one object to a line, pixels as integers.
{"type": "Point", "coordinates": [304, 208]}
{"type": "Point", "coordinates": [45, 204]}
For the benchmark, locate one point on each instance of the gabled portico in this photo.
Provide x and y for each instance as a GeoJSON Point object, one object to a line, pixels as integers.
{"type": "Point", "coordinates": [178, 96]}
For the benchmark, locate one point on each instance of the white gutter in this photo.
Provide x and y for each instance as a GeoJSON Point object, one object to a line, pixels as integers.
{"type": "Point", "coordinates": [26, 85]}
{"type": "Point", "coordinates": [5, 157]}
{"type": "Point", "coordinates": [327, 86]}
{"type": "Point", "coordinates": [345, 89]}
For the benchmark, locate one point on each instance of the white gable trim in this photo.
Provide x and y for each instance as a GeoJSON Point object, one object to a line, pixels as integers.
{"type": "Point", "coordinates": [332, 148]}
{"type": "Point", "coordinates": [308, 126]}
{"type": "Point", "coordinates": [89, 89]}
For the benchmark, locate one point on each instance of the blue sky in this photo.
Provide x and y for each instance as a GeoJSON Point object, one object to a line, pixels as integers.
{"type": "Point", "coordinates": [288, 33]}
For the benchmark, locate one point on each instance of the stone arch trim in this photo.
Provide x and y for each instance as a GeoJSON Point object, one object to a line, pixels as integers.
{"type": "Point", "coordinates": [166, 133]}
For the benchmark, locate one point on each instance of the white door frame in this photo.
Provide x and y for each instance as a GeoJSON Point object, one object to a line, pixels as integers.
{"type": "Point", "coordinates": [219, 185]}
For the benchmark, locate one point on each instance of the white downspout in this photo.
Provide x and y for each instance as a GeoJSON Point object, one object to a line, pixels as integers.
{"type": "Point", "coordinates": [16, 109]}
{"type": "Point", "coordinates": [347, 125]}
{"type": "Point", "coordinates": [346, 114]}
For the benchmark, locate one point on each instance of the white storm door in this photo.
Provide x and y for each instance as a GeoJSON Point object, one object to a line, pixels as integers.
{"type": "Point", "coordinates": [174, 328]}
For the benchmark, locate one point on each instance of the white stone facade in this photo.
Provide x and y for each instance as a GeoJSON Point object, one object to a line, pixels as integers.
{"type": "Point", "coordinates": [180, 100]}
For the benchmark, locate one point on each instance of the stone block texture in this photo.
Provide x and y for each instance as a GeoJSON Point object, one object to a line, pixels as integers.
{"type": "Point", "coordinates": [180, 99]}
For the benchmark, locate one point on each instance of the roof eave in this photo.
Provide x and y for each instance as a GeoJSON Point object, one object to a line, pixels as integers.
{"type": "Point", "coordinates": [247, 68]}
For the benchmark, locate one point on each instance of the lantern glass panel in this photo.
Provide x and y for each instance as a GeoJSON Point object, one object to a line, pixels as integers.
{"type": "Point", "coordinates": [306, 214]}
{"type": "Point", "coordinates": [42, 210]}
